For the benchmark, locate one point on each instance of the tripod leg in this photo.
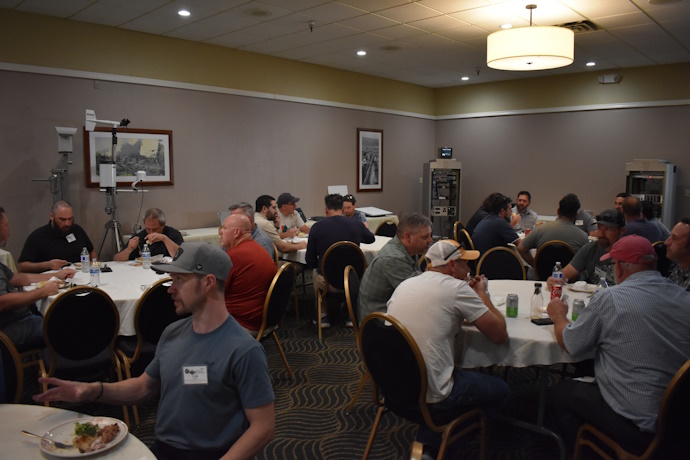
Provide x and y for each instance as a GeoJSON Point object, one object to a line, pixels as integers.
{"type": "Point", "coordinates": [105, 235]}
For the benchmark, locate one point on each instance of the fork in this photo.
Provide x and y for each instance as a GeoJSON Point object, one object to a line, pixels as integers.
{"type": "Point", "coordinates": [57, 444]}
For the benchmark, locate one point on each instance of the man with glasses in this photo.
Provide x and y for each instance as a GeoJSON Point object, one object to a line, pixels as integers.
{"type": "Point", "coordinates": [433, 307]}
{"type": "Point", "coordinates": [586, 264]}
{"type": "Point", "coordinates": [349, 210]}
{"type": "Point", "coordinates": [290, 221]}
{"type": "Point", "coordinates": [638, 332]}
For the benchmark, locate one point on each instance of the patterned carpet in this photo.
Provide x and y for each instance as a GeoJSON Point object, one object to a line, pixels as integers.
{"type": "Point", "coordinates": [311, 419]}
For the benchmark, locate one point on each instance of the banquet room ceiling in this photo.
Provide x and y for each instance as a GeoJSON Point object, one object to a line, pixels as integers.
{"type": "Point", "coordinates": [433, 43]}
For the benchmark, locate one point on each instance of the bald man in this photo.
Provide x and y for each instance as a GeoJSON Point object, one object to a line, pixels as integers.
{"type": "Point", "coordinates": [251, 274]}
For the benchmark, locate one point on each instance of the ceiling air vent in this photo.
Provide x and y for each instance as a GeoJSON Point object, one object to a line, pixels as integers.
{"type": "Point", "coordinates": [579, 27]}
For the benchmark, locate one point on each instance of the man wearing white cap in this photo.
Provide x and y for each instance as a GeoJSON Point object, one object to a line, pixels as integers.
{"type": "Point", "coordinates": [638, 331]}
{"type": "Point", "coordinates": [216, 397]}
{"type": "Point", "coordinates": [433, 307]}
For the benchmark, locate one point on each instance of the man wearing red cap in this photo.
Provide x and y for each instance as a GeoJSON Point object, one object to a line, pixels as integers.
{"type": "Point", "coordinates": [638, 332]}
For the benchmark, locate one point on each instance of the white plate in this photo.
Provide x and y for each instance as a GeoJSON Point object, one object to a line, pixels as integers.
{"type": "Point", "coordinates": [589, 288]}
{"type": "Point", "coordinates": [65, 433]}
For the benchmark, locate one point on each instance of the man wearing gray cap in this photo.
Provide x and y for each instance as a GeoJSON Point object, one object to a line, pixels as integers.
{"type": "Point", "coordinates": [586, 265]}
{"type": "Point", "coordinates": [290, 220]}
{"type": "Point", "coordinates": [216, 397]}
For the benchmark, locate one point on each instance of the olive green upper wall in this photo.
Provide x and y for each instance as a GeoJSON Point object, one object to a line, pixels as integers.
{"type": "Point", "coordinates": [642, 85]}
{"type": "Point", "coordinates": [37, 40]}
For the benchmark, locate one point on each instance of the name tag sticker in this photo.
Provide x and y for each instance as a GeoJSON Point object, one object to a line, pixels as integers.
{"type": "Point", "coordinates": [71, 238]}
{"type": "Point", "coordinates": [579, 222]}
{"type": "Point", "coordinates": [195, 375]}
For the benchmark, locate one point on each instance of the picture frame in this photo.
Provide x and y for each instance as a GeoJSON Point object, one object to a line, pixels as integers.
{"type": "Point", "coordinates": [147, 150]}
{"type": "Point", "coordinates": [369, 160]}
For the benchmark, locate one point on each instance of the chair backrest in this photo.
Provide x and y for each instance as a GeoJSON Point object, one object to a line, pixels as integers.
{"type": "Point", "coordinates": [154, 312]}
{"type": "Point", "coordinates": [81, 323]}
{"type": "Point", "coordinates": [548, 254]}
{"type": "Point", "coordinates": [501, 263]}
{"type": "Point", "coordinates": [672, 424]}
{"type": "Point", "coordinates": [387, 229]}
{"type": "Point", "coordinates": [12, 371]}
{"type": "Point", "coordinates": [339, 256]}
{"type": "Point", "coordinates": [395, 364]}
{"type": "Point", "coordinates": [351, 284]}
{"type": "Point", "coordinates": [276, 255]}
{"type": "Point", "coordinates": [464, 238]}
{"type": "Point", "coordinates": [663, 264]}
{"type": "Point", "coordinates": [456, 228]}
{"type": "Point", "coordinates": [277, 298]}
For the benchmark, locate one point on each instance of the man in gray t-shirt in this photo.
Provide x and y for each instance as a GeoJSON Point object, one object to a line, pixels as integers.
{"type": "Point", "coordinates": [216, 397]}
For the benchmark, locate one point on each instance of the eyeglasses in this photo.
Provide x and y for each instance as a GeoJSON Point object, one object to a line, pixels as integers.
{"type": "Point", "coordinates": [349, 198]}
{"type": "Point", "coordinates": [457, 248]}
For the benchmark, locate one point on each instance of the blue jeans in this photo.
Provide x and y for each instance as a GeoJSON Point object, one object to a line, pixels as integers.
{"type": "Point", "coordinates": [470, 390]}
{"type": "Point", "coordinates": [26, 333]}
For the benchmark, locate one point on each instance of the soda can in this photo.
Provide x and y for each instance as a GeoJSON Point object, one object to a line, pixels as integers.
{"type": "Point", "coordinates": [578, 306]}
{"type": "Point", "coordinates": [512, 305]}
{"type": "Point", "coordinates": [556, 291]}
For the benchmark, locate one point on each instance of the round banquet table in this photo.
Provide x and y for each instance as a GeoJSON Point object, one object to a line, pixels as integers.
{"type": "Point", "coordinates": [39, 420]}
{"type": "Point", "coordinates": [125, 285]}
{"type": "Point", "coordinates": [528, 344]}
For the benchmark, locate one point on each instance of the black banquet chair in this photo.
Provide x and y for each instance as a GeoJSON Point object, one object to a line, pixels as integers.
{"type": "Point", "coordinates": [336, 258]}
{"type": "Point", "coordinates": [12, 371]}
{"type": "Point", "coordinates": [387, 229]}
{"type": "Point", "coordinates": [79, 328]}
{"type": "Point", "coordinates": [501, 263]}
{"type": "Point", "coordinates": [548, 254]}
{"type": "Point", "coordinates": [663, 264]}
{"type": "Point", "coordinates": [671, 440]}
{"type": "Point", "coordinates": [397, 367]}
{"type": "Point", "coordinates": [275, 305]}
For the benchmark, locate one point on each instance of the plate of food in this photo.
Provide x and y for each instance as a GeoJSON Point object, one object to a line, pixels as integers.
{"type": "Point", "coordinates": [89, 436]}
{"type": "Point", "coordinates": [62, 284]}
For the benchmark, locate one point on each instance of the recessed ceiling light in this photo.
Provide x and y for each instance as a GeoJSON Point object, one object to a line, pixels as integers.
{"type": "Point", "coordinates": [506, 26]}
{"type": "Point", "coordinates": [184, 13]}
{"type": "Point", "coordinates": [361, 53]}
{"type": "Point", "coordinates": [390, 48]}
{"type": "Point", "coordinates": [257, 12]}
{"type": "Point", "coordinates": [465, 78]}
{"type": "Point", "coordinates": [591, 64]}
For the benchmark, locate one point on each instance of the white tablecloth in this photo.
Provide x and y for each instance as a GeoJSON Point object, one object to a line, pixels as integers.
{"type": "Point", "coordinates": [370, 250]}
{"type": "Point", "coordinates": [528, 343]}
{"type": "Point", "coordinates": [39, 420]}
{"type": "Point", "coordinates": [123, 285]}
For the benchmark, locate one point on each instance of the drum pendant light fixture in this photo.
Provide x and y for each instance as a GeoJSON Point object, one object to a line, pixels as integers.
{"type": "Point", "coordinates": [530, 48]}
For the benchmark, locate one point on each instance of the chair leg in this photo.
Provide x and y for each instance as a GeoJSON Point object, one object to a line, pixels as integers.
{"type": "Point", "coordinates": [362, 382]}
{"type": "Point", "coordinates": [280, 349]}
{"type": "Point", "coordinates": [295, 300]}
{"type": "Point", "coordinates": [372, 435]}
{"type": "Point", "coordinates": [417, 451]}
{"type": "Point", "coordinates": [319, 301]}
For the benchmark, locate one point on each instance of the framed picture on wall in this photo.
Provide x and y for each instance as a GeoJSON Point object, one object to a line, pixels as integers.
{"type": "Point", "coordinates": [369, 160]}
{"type": "Point", "coordinates": [147, 150]}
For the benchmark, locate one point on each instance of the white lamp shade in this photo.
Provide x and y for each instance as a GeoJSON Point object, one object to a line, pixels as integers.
{"type": "Point", "coordinates": [530, 48]}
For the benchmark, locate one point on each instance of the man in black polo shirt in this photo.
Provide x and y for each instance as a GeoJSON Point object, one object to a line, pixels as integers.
{"type": "Point", "coordinates": [162, 240]}
{"type": "Point", "coordinates": [56, 244]}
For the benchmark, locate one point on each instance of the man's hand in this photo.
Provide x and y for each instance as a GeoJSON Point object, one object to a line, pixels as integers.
{"type": "Point", "coordinates": [550, 281]}
{"type": "Point", "coordinates": [557, 309]}
{"type": "Point", "coordinates": [301, 245]}
{"type": "Point", "coordinates": [133, 243]}
{"type": "Point", "coordinates": [48, 289]}
{"type": "Point", "coordinates": [56, 264]}
{"type": "Point", "coordinates": [478, 284]}
{"type": "Point", "coordinates": [516, 219]}
{"type": "Point", "coordinates": [64, 390]}
{"type": "Point", "coordinates": [155, 237]}
{"type": "Point", "coordinates": [290, 233]}
{"type": "Point", "coordinates": [65, 273]}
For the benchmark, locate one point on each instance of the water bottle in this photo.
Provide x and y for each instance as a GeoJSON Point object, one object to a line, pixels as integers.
{"type": "Point", "coordinates": [537, 310]}
{"type": "Point", "coordinates": [557, 286]}
{"type": "Point", "coordinates": [146, 257]}
{"type": "Point", "coordinates": [84, 260]}
{"type": "Point", "coordinates": [95, 271]}
{"type": "Point", "coordinates": [602, 284]}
